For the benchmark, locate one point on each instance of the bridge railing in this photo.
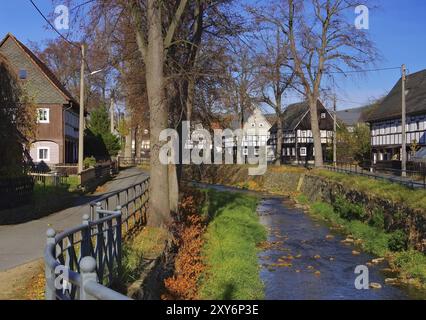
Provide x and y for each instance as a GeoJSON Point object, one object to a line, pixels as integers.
{"type": "Point", "coordinates": [85, 261]}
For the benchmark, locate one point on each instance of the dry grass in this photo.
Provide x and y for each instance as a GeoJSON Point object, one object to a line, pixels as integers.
{"type": "Point", "coordinates": [25, 282]}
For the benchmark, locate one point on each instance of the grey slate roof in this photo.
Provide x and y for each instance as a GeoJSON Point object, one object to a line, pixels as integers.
{"type": "Point", "coordinates": [294, 114]}
{"type": "Point", "coordinates": [391, 105]}
{"type": "Point", "coordinates": [351, 117]}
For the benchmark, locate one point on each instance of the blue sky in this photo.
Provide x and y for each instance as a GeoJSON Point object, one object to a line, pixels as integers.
{"type": "Point", "coordinates": [398, 28]}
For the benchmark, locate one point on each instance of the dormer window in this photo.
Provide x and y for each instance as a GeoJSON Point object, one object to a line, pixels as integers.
{"type": "Point", "coordinates": [23, 74]}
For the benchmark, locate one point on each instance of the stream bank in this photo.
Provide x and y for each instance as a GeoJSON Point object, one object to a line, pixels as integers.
{"type": "Point", "coordinates": [305, 260]}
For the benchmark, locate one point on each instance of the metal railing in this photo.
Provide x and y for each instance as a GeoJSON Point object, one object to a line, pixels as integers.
{"type": "Point", "coordinates": [131, 162]}
{"type": "Point", "coordinates": [414, 179]}
{"type": "Point", "coordinates": [49, 179]}
{"type": "Point", "coordinates": [83, 262]}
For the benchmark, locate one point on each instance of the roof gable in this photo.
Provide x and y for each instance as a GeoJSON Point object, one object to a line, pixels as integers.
{"type": "Point", "coordinates": [297, 116]}
{"type": "Point", "coordinates": [391, 106]}
{"type": "Point", "coordinates": [257, 118]}
{"type": "Point", "coordinates": [10, 46]}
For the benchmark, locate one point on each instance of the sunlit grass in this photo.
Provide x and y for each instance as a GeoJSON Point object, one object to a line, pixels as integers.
{"type": "Point", "coordinates": [415, 199]}
{"type": "Point", "coordinates": [230, 249]}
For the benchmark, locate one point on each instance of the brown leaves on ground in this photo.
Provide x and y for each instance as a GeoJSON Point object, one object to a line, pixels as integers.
{"type": "Point", "coordinates": [189, 239]}
{"type": "Point", "coordinates": [36, 288]}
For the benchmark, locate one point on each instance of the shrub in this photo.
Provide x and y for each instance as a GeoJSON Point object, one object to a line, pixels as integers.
{"type": "Point", "coordinates": [89, 162]}
{"type": "Point", "coordinates": [349, 211]}
{"type": "Point", "coordinates": [377, 219]}
{"type": "Point", "coordinates": [398, 241]}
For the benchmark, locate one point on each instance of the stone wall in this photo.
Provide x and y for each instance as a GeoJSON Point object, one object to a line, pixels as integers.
{"type": "Point", "coordinates": [398, 216]}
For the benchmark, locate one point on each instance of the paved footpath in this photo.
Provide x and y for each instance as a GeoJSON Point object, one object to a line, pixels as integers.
{"type": "Point", "coordinates": [23, 243]}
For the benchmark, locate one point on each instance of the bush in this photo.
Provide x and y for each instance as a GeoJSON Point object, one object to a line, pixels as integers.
{"type": "Point", "coordinates": [377, 220]}
{"type": "Point", "coordinates": [348, 210]}
{"type": "Point", "coordinates": [89, 162]}
{"type": "Point", "coordinates": [398, 241]}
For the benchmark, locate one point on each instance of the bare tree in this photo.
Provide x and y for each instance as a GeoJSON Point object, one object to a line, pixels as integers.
{"type": "Point", "coordinates": [276, 73]}
{"type": "Point", "coordinates": [323, 41]}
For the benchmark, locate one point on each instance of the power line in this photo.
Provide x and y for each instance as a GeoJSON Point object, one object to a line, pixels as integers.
{"type": "Point", "coordinates": [364, 70]}
{"type": "Point", "coordinates": [60, 34]}
{"type": "Point", "coordinates": [51, 25]}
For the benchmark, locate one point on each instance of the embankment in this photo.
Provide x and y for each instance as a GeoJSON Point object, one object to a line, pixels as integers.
{"type": "Point", "coordinates": [402, 209]}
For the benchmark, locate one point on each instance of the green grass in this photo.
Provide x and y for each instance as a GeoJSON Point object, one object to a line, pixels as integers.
{"type": "Point", "coordinates": [230, 250]}
{"type": "Point", "coordinates": [375, 241]}
{"type": "Point", "coordinates": [145, 245]}
{"type": "Point", "coordinates": [412, 263]}
{"type": "Point", "coordinates": [415, 199]}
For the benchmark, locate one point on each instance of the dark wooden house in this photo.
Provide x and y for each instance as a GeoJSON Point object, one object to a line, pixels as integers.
{"type": "Point", "coordinates": [298, 144]}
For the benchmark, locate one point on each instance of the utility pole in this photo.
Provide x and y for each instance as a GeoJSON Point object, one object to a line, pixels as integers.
{"type": "Point", "coordinates": [403, 124]}
{"type": "Point", "coordinates": [112, 113]}
{"type": "Point", "coordinates": [81, 124]}
{"type": "Point", "coordinates": [335, 132]}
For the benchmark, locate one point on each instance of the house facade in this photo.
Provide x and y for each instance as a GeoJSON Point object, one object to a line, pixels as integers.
{"type": "Point", "coordinates": [255, 134]}
{"type": "Point", "coordinates": [57, 112]}
{"type": "Point", "coordinates": [386, 120]}
{"type": "Point", "coordinates": [298, 143]}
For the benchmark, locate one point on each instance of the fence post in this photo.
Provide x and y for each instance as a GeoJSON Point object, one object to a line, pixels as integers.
{"type": "Point", "coordinates": [98, 207]}
{"type": "Point", "coordinates": [119, 241]}
{"type": "Point", "coordinates": [86, 237]}
{"type": "Point", "coordinates": [50, 275]}
{"type": "Point", "coordinates": [88, 273]}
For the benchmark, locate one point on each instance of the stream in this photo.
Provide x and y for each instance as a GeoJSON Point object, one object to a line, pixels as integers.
{"type": "Point", "coordinates": [308, 261]}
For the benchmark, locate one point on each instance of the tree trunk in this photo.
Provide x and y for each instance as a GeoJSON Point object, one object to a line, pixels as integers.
{"type": "Point", "coordinates": [159, 207]}
{"type": "Point", "coordinates": [316, 133]}
{"type": "Point", "coordinates": [173, 188]}
{"type": "Point", "coordinates": [128, 146]}
{"type": "Point", "coordinates": [190, 99]}
{"type": "Point", "coordinates": [138, 142]}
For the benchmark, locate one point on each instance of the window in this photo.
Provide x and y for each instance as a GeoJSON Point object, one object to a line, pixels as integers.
{"type": "Point", "coordinates": [303, 152]}
{"type": "Point", "coordinates": [323, 115]}
{"type": "Point", "coordinates": [261, 125]}
{"type": "Point", "coordinates": [253, 125]}
{"type": "Point", "coordinates": [23, 74]}
{"type": "Point", "coordinates": [43, 154]}
{"type": "Point", "coordinates": [43, 115]}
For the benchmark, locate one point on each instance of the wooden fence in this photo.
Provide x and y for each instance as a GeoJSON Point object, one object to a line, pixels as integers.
{"type": "Point", "coordinates": [15, 192]}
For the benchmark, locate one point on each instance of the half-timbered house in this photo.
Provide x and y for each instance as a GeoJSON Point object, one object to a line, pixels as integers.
{"type": "Point", "coordinates": [386, 120]}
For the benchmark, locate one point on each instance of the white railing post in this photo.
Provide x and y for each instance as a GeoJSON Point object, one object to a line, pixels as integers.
{"type": "Point", "coordinates": [50, 291]}
{"type": "Point", "coordinates": [88, 273]}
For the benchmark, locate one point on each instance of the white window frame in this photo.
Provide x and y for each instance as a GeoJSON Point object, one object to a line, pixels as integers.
{"type": "Point", "coordinates": [47, 115]}
{"type": "Point", "coordinates": [303, 151]}
{"type": "Point", "coordinates": [38, 154]}
{"type": "Point", "coordinates": [323, 115]}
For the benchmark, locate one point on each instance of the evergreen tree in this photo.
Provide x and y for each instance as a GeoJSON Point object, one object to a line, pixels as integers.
{"type": "Point", "coordinates": [100, 141]}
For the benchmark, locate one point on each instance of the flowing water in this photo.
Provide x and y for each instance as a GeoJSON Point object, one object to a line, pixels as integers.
{"type": "Point", "coordinates": [308, 261]}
